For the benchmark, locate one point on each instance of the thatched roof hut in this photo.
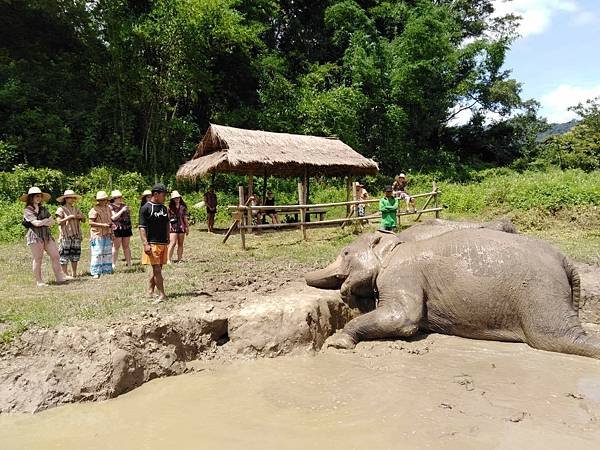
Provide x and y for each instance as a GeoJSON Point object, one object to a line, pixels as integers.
{"type": "Point", "coordinates": [253, 152]}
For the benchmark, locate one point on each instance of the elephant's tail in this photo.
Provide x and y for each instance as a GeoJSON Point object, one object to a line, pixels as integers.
{"type": "Point", "coordinates": [575, 283]}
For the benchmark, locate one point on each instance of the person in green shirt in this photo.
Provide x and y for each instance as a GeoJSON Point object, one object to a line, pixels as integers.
{"type": "Point", "coordinates": [388, 206]}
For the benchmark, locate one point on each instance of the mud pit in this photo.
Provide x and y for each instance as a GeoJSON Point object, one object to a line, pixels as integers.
{"type": "Point", "coordinates": [433, 391]}
{"type": "Point", "coordinates": [436, 392]}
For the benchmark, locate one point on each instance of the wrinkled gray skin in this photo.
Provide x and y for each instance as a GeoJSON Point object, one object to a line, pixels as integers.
{"type": "Point", "coordinates": [475, 283]}
{"type": "Point", "coordinates": [435, 227]}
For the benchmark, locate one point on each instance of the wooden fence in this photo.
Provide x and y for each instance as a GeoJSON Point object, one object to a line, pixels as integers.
{"type": "Point", "coordinates": [244, 213]}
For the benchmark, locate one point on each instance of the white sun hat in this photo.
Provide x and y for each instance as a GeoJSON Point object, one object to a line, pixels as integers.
{"type": "Point", "coordinates": [145, 193]}
{"type": "Point", "coordinates": [67, 194]}
{"type": "Point", "coordinates": [102, 195]}
{"type": "Point", "coordinates": [35, 190]}
{"type": "Point", "coordinates": [116, 193]}
{"type": "Point", "coordinates": [175, 194]}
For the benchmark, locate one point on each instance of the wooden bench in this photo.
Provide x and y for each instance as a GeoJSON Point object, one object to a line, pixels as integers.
{"type": "Point", "coordinates": [295, 212]}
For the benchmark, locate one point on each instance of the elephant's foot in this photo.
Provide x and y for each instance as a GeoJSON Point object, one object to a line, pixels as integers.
{"type": "Point", "coordinates": [339, 340]}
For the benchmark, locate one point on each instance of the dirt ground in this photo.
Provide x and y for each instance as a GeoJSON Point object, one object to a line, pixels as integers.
{"type": "Point", "coordinates": [432, 391]}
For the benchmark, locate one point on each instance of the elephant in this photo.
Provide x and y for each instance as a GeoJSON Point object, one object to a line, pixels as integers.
{"type": "Point", "coordinates": [435, 227]}
{"type": "Point", "coordinates": [475, 283]}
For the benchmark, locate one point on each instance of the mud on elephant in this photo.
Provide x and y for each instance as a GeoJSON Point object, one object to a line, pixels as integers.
{"type": "Point", "coordinates": [475, 283]}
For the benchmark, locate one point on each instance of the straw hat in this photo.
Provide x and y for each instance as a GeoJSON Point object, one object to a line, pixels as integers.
{"type": "Point", "coordinates": [401, 176]}
{"type": "Point", "coordinates": [35, 190]}
{"type": "Point", "coordinates": [115, 194]}
{"type": "Point", "coordinates": [145, 193]}
{"type": "Point", "coordinates": [101, 195]}
{"type": "Point", "coordinates": [68, 194]}
{"type": "Point", "coordinates": [175, 194]}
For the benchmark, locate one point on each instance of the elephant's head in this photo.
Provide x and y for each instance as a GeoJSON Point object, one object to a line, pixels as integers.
{"type": "Point", "coordinates": [355, 270]}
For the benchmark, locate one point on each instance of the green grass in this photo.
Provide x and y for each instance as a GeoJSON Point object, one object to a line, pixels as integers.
{"type": "Point", "coordinates": [560, 207]}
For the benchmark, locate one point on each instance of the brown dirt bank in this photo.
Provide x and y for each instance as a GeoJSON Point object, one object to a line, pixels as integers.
{"type": "Point", "coordinates": [253, 316]}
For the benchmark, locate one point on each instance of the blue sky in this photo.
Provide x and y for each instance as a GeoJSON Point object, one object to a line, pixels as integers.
{"type": "Point", "coordinates": [557, 58]}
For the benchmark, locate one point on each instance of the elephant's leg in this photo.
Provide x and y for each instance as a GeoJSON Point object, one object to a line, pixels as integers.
{"type": "Point", "coordinates": [557, 329]}
{"type": "Point", "coordinates": [393, 320]}
{"type": "Point", "coordinates": [575, 342]}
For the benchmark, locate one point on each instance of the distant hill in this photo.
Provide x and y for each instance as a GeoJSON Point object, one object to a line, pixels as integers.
{"type": "Point", "coordinates": [556, 128]}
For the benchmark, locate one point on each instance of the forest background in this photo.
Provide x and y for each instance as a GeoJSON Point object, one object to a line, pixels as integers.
{"type": "Point", "coordinates": [102, 93]}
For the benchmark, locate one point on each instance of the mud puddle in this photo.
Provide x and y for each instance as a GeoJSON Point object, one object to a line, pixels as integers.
{"type": "Point", "coordinates": [437, 391]}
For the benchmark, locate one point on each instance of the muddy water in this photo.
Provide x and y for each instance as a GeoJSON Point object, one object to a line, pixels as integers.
{"type": "Point", "coordinates": [437, 392]}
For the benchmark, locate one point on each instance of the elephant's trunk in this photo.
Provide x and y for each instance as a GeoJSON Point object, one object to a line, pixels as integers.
{"type": "Point", "coordinates": [327, 278]}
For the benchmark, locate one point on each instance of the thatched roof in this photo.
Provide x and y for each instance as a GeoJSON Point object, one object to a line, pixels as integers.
{"type": "Point", "coordinates": [235, 150]}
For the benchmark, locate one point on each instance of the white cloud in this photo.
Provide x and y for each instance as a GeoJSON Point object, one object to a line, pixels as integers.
{"type": "Point", "coordinates": [536, 15]}
{"type": "Point", "coordinates": [556, 102]}
{"type": "Point", "coordinates": [585, 18]}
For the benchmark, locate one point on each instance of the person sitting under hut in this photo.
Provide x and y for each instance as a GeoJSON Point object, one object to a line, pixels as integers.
{"type": "Point", "coordinates": [270, 201]}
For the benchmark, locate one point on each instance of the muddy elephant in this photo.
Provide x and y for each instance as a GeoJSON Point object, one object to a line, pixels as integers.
{"type": "Point", "coordinates": [434, 227]}
{"type": "Point", "coordinates": [475, 283]}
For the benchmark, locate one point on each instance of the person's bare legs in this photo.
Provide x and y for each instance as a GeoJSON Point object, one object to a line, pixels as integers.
{"type": "Point", "coordinates": [65, 268]}
{"type": "Point", "coordinates": [52, 250]}
{"type": "Point", "coordinates": [211, 222]}
{"type": "Point", "coordinates": [151, 283]}
{"type": "Point", "coordinates": [37, 251]}
{"type": "Point", "coordinates": [180, 239]}
{"type": "Point", "coordinates": [126, 250]}
{"type": "Point", "coordinates": [115, 250]}
{"type": "Point", "coordinates": [158, 281]}
{"type": "Point", "coordinates": [73, 268]}
{"type": "Point", "coordinates": [170, 250]}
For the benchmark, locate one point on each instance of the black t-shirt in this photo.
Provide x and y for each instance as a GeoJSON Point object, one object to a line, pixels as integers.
{"type": "Point", "coordinates": [154, 218]}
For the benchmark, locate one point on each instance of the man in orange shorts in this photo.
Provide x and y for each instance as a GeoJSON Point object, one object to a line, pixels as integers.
{"type": "Point", "coordinates": [154, 232]}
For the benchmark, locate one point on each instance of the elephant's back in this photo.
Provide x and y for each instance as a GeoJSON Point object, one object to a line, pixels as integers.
{"type": "Point", "coordinates": [480, 283]}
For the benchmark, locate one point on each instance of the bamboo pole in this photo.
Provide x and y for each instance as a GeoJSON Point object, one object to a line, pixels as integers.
{"type": "Point", "coordinates": [435, 201]}
{"type": "Point", "coordinates": [348, 195]}
{"type": "Point", "coordinates": [427, 204]}
{"type": "Point", "coordinates": [242, 224]}
{"type": "Point", "coordinates": [301, 202]}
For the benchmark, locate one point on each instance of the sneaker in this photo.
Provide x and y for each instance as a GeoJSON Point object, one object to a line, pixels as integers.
{"type": "Point", "coordinates": [95, 277]}
{"type": "Point", "coordinates": [42, 284]}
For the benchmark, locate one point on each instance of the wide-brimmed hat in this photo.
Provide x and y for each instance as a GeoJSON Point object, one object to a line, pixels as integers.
{"type": "Point", "coordinates": [68, 194]}
{"type": "Point", "coordinates": [145, 193]}
{"type": "Point", "coordinates": [116, 193]}
{"type": "Point", "coordinates": [401, 176]}
{"type": "Point", "coordinates": [175, 194]}
{"type": "Point", "coordinates": [102, 195]}
{"type": "Point", "coordinates": [35, 190]}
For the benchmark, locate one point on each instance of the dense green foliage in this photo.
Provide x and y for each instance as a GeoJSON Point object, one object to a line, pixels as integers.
{"type": "Point", "coordinates": [577, 148]}
{"type": "Point", "coordinates": [490, 191]}
{"type": "Point", "coordinates": [133, 83]}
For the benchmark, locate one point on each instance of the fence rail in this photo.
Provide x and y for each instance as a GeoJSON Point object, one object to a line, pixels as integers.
{"type": "Point", "coordinates": [243, 213]}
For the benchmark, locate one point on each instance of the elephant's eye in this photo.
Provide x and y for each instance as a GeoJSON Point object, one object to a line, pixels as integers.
{"type": "Point", "coordinates": [346, 253]}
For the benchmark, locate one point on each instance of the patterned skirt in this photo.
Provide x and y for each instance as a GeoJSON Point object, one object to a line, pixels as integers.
{"type": "Point", "coordinates": [69, 249]}
{"type": "Point", "coordinates": [101, 255]}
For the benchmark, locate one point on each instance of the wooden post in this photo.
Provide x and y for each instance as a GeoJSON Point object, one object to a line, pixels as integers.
{"type": "Point", "coordinates": [348, 195]}
{"type": "Point", "coordinates": [435, 201]}
{"type": "Point", "coordinates": [250, 194]}
{"type": "Point", "coordinates": [301, 202]}
{"type": "Point", "coordinates": [242, 218]}
{"type": "Point", "coordinates": [306, 191]}
{"type": "Point", "coordinates": [264, 188]}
